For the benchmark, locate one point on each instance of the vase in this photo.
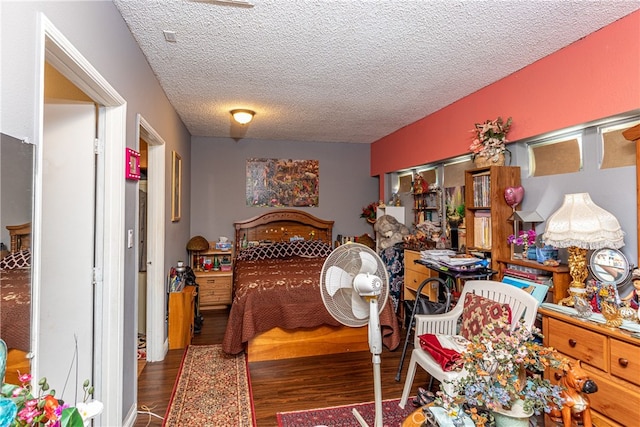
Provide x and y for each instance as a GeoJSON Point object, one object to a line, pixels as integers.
{"type": "Point", "coordinates": [514, 417]}
{"type": "Point", "coordinates": [482, 161]}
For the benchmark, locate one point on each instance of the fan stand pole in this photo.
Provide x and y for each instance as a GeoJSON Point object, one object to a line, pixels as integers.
{"type": "Point", "coordinates": [375, 345]}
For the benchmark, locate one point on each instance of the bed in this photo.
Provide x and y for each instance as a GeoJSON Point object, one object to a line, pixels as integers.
{"type": "Point", "coordinates": [15, 289]}
{"type": "Point", "coordinates": [277, 311]}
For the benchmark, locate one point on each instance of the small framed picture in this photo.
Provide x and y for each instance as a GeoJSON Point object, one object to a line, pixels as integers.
{"type": "Point", "coordinates": [132, 165]}
{"type": "Point", "coordinates": [176, 186]}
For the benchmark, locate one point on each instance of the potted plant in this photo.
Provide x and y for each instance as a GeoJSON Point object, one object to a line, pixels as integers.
{"type": "Point", "coordinates": [489, 142]}
{"type": "Point", "coordinates": [504, 375]}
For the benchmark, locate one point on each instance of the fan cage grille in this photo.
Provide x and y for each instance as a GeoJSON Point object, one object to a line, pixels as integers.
{"type": "Point", "coordinates": [347, 257]}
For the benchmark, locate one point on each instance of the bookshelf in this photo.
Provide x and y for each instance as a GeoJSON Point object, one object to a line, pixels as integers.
{"type": "Point", "coordinates": [487, 213]}
{"type": "Point", "coordinates": [427, 206]}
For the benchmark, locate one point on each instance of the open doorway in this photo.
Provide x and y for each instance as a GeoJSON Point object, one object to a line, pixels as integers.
{"type": "Point", "coordinates": [150, 248]}
{"type": "Point", "coordinates": [107, 246]}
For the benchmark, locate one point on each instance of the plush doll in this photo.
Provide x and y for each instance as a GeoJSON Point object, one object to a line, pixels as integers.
{"type": "Point", "coordinates": [389, 231]}
{"type": "Point", "coordinates": [634, 296]}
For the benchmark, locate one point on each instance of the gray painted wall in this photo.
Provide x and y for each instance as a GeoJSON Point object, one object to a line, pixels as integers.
{"type": "Point", "coordinates": [97, 30]}
{"type": "Point", "coordinates": [218, 182]}
{"type": "Point", "coordinates": [611, 189]}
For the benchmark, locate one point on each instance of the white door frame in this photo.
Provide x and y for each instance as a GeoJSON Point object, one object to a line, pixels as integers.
{"type": "Point", "coordinates": [54, 48]}
{"type": "Point", "coordinates": [156, 342]}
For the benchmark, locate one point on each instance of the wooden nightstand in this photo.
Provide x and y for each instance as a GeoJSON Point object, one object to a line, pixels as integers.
{"type": "Point", "coordinates": [215, 286]}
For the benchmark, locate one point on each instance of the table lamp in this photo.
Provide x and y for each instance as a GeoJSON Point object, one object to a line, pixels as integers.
{"type": "Point", "coordinates": [197, 244]}
{"type": "Point", "coordinates": [580, 225]}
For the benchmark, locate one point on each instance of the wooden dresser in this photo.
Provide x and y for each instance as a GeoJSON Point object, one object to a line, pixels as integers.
{"type": "Point", "coordinates": [612, 358]}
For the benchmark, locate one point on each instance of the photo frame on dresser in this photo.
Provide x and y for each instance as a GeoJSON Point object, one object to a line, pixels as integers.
{"type": "Point", "coordinates": [176, 186]}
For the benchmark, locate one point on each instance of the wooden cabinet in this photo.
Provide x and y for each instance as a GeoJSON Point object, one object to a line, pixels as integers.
{"type": "Point", "coordinates": [216, 284]}
{"type": "Point", "coordinates": [560, 275]}
{"type": "Point", "coordinates": [610, 356]}
{"type": "Point", "coordinates": [181, 317]}
{"type": "Point", "coordinates": [486, 212]}
{"type": "Point", "coordinates": [414, 275]}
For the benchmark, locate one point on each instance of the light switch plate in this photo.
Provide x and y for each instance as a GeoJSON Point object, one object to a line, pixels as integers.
{"type": "Point", "coordinates": [129, 238]}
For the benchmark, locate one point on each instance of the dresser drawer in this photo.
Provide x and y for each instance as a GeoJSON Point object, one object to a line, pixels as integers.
{"type": "Point", "coordinates": [615, 401]}
{"type": "Point", "coordinates": [409, 261]}
{"type": "Point", "coordinates": [578, 343]}
{"type": "Point", "coordinates": [625, 361]}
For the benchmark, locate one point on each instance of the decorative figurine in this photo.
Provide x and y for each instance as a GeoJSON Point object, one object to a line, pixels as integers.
{"type": "Point", "coordinates": [577, 385]}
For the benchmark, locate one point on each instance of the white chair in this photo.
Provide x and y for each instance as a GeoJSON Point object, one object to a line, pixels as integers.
{"type": "Point", "coordinates": [522, 304]}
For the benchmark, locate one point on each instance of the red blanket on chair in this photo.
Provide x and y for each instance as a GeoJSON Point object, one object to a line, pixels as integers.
{"type": "Point", "coordinates": [444, 349]}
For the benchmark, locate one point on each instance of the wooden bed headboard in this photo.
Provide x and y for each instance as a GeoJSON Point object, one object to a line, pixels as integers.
{"type": "Point", "coordinates": [20, 237]}
{"type": "Point", "coordinates": [281, 225]}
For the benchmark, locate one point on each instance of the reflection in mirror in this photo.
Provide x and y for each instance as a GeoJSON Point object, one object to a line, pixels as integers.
{"type": "Point", "coordinates": [16, 207]}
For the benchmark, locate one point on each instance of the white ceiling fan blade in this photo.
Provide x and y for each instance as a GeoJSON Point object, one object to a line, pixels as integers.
{"type": "Point", "coordinates": [369, 263]}
{"type": "Point", "coordinates": [359, 306]}
{"type": "Point", "coordinates": [336, 279]}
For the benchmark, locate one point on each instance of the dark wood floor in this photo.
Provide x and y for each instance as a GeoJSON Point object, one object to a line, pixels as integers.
{"type": "Point", "coordinates": [279, 386]}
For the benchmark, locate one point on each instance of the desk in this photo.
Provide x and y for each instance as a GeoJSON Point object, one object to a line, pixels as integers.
{"type": "Point", "coordinates": [471, 274]}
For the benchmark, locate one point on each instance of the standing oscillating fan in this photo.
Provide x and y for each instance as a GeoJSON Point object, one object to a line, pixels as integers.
{"type": "Point", "coordinates": [354, 287]}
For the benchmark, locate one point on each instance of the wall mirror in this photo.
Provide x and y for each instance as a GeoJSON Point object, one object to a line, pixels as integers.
{"type": "Point", "coordinates": [16, 210]}
{"type": "Point", "coordinates": [609, 266]}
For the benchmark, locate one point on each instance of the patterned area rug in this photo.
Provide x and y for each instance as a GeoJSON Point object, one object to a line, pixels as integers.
{"type": "Point", "coordinates": [342, 416]}
{"type": "Point", "coordinates": [212, 389]}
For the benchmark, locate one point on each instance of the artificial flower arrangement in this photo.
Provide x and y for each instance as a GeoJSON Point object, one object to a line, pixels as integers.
{"type": "Point", "coordinates": [20, 408]}
{"type": "Point", "coordinates": [369, 212]}
{"type": "Point", "coordinates": [504, 370]}
{"type": "Point", "coordinates": [490, 138]}
{"type": "Point", "coordinates": [525, 238]}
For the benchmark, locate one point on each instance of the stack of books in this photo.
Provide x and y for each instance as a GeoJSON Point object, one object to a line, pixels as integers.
{"type": "Point", "coordinates": [536, 282]}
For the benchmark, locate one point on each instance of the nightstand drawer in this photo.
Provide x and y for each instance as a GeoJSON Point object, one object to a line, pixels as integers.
{"type": "Point", "coordinates": [215, 295]}
{"type": "Point", "coordinates": [582, 344]}
{"type": "Point", "coordinates": [625, 361]}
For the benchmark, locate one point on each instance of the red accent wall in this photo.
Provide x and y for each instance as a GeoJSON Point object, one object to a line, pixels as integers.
{"type": "Point", "coordinates": [595, 77]}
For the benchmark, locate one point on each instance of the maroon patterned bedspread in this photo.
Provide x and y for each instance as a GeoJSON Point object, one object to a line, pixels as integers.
{"type": "Point", "coordinates": [284, 293]}
{"type": "Point", "coordinates": [15, 307]}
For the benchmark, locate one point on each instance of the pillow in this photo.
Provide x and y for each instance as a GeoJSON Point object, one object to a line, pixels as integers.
{"type": "Point", "coordinates": [274, 250]}
{"type": "Point", "coordinates": [20, 259]}
{"type": "Point", "coordinates": [311, 248]}
{"type": "Point", "coordinates": [307, 249]}
{"type": "Point", "coordinates": [479, 312]}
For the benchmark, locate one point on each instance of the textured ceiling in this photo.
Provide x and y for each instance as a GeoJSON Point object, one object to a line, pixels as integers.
{"type": "Point", "coordinates": [345, 70]}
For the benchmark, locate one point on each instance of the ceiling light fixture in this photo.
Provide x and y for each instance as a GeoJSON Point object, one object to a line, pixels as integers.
{"type": "Point", "coordinates": [243, 116]}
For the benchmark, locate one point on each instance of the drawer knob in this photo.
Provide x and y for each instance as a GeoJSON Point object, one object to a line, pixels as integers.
{"type": "Point", "coordinates": [557, 376]}
{"type": "Point", "coordinates": [623, 362]}
{"type": "Point", "coordinates": [572, 342]}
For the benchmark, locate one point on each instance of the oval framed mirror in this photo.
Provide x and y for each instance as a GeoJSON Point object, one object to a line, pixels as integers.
{"type": "Point", "coordinates": [609, 266]}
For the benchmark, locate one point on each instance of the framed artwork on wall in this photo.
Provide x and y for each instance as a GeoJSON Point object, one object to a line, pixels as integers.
{"type": "Point", "coordinates": [176, 186]}
{"type": "Point", "coordinates": [282, 182]}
